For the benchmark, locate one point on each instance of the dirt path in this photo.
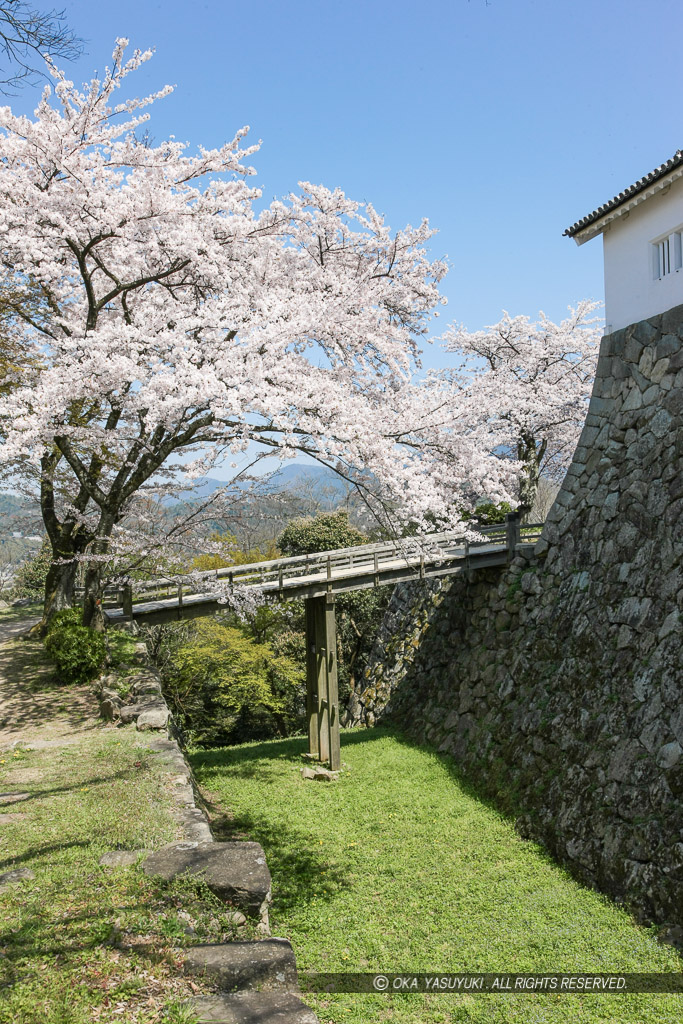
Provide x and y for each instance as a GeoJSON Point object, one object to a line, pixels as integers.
{"type": "Point", "coordinates": [34, 708]}
{"type": "Point", "coordinates": [8, 630]}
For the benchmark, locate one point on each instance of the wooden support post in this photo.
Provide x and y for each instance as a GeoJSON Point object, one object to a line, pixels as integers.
{"type": "Point", "coordinates": [332, 685]}
{"type": "Point", "coordinates": [311, 679]}
{"type": "Point", "coordinates": [330, 749]}
{"type": "Point", "coordinates": [322, 697]}
{"type": "Point", "coordinates": [512, 533]}
{"type": "Point", "coordinates": [127, 599]}
{"type": "Point", "coordinates": [321, 666]}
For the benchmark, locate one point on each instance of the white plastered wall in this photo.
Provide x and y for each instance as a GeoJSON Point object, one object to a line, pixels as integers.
{"type": "Point", "coordinates": [631, 291]}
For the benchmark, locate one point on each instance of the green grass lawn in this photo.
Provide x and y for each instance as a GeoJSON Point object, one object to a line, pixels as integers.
{"type": "Point", "coordinates": [29, 611]}
{"type": "Point", "coordinates": [398, 866]}
{"type": "Point", "coordinates": [80, 943]}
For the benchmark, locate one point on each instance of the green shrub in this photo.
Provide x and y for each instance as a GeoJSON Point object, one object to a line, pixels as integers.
{"type": "Point", "coordinates": [67, 617]}
{"type": "Point", "coordinates": [325, 532]}
{"type": "Point", "coordinates": [489, 514]}
{"type": "Point", "coordinates": [225, 687]}
{"type": "Point", "coordinates": [32, 574]}
{"type": "Point", "coordinates": [77, 651]}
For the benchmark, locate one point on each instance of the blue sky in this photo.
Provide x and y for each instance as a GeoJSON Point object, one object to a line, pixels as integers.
{"type": "Point", "coordinates": [501, 122]}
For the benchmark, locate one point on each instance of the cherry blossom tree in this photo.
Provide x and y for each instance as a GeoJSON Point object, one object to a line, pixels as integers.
{"type": "Point", "coordinates": [177, 317]}
{"type": "Point", "coordinates": [526, 388]}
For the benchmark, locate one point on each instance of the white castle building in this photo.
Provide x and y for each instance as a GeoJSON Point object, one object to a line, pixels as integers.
{"type": "Point", "coordinates": [642, 231]}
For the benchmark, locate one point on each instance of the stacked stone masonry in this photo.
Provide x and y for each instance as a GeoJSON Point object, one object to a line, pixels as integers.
{"type": "Point", "coordinates": [557, 683]}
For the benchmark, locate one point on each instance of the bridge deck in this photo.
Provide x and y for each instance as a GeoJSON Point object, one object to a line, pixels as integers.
{"type": "Point", "coordinates": [329, 573]}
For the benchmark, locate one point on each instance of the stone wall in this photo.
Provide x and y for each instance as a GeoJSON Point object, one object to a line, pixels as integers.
{"type": "Point", "coordinates": [557, 682]}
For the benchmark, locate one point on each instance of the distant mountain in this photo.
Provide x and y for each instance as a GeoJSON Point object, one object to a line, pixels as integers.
{"type": "Point", "coordinates": [10, 504]}
{"type": "Point", "coordinates": [294, 490]}
{"type": "Point", "coordinates": [293, 477]}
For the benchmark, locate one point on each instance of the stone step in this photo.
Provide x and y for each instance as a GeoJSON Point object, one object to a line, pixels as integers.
{"type": "Point", "coordinates": [252, 1008]}
{"type": "Point", "coordinates": [236, 872]}
{"type": "Point", "coordinates": [266, 965]}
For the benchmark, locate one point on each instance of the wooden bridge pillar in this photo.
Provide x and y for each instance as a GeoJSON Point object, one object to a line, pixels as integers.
{"type": "Point", "coordinates": [322, 698]}
{"type": "Point", "coordinates": [512, 532]}
{"type": "Point", "coordinates": [126, 599]}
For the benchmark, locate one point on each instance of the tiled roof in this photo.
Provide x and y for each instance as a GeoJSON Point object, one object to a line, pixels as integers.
{"type": "Point", "coordinates": [633, 190]}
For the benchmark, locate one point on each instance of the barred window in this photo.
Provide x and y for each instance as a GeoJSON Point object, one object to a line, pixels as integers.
{"type": "Point", "coordinates": [667, 255]}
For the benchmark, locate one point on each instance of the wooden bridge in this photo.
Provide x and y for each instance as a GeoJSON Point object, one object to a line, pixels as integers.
{"type": "Point", "coordinates": [317, 578]}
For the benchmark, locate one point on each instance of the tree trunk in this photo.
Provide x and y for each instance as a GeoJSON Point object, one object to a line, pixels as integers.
{"type": "Point", "coordinates": [67, 539]}
{"type": "Point", "coordinates": [60, 583]}
{"type": "Point", "coordinates": [528, 489]}
{"type": "Point", "coordinates": [531, 455]}
{"type": "Point", "coordinates": [59, 588]}
{"type": "Point", "coordinates": [93, 613]}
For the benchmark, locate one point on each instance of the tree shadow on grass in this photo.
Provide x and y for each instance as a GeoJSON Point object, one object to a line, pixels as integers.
{"type": "Point", "coordinates": [38, 794]}
{"type": "Point", "coordinates": [32, 698]}
{"type": "Point", "coordinates": [248, 757]}
{"type": "Point", "coordinates": [297, 867]}
{"type": "Point", "coordinates": [71, 938]}
{"type": "Point", "coordinates": [35, 852]}
{"type": "Point", "coordinates": [295, 864]}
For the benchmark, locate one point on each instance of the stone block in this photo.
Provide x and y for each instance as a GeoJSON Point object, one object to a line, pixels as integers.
{"type": "Point", "coordinates": [108, 694]}
{"type": "Point", "coordinates": [610, 506]}
{"type": "Point", "coordinates": [623, 757]}
{"type": "Point", "coordinates": [154, 718]}
{"type": "Point", "coordinates": [632, 352]}
{"type": "Point", "coordinates": [129, 712]}
{"type": "Point", "coordinates": [236, 872]}
{"type": "Point", "coordinates": [252, 1008]}
{"type": "Point", "coordinates": [673, 402]}
{"type": "Point", "coordinates": [669, 755]}
{"type": "Point", "coordinates": [265, 965]}
{"type": "Point", "coordinates": [148, 686]}
{"type": "Point", "coordinates": [672, 321]}
{"type": "Point", "coordinates": [634, 400]}
{"type": "Point", "coordinates": [15, 876]}
{"type": "Point", "coordinates": [13, 798]}
{"type": "Point", "coordinates": [659, 370]}
{"type": "Point", "coordinates": [110, 709]}
{"type": "Point", "coordinates": [634, 611]}
{"type": "Point", "coordinates": [530, 583]}
{"type": "Point", "coordinates": [121, 858]}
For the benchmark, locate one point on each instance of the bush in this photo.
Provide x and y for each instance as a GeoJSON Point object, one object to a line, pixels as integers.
{"type": "Point", "coordinates": [32, 574]}
{"type": "Point", "coordinates": [326, 532]}
{"type": "Point", "coordinates": [67, 617]}
{"type": "Point", "coordinates": [225, 687]}
{"type": "Point", "coordinates": [77, 651]}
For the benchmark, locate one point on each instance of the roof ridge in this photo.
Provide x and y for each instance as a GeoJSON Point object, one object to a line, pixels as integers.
{"type": "Point", "coordinates": [638, 186]}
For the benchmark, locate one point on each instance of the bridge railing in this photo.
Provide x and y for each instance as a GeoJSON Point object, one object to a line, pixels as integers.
{"type": "Point", "coordinates": [365, 559]}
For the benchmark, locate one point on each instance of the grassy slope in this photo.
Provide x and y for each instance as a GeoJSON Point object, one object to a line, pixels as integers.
{"type": "Point", "coordinates": [398, 866]}
{"type": "Point", "coordinates": [33, 610]}
{"type": "Point", "coordinates": [79, 943]}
